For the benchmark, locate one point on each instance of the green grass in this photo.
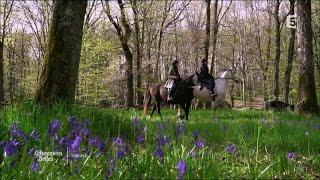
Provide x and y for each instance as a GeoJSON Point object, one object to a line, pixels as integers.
{"type": "Point", "coordinates": [263, 140]}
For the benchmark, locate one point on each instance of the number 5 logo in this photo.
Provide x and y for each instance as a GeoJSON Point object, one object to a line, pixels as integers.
{"type": "Point", "coordinates": [292, 21]}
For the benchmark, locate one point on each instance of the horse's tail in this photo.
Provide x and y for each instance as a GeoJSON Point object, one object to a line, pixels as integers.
{"type": "Point", "coordinates": [147, 101]}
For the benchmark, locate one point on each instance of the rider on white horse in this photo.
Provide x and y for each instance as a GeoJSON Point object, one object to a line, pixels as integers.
{"type": "Point", "coordinates": [174, 78]}
{"type": "Point", "coordinates": [206, 79]}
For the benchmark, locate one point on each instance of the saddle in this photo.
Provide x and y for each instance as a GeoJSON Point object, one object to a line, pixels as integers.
{"type": "Point", "coordinates": [169, 84]}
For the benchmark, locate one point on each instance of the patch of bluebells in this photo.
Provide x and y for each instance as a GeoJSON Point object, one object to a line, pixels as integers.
{"type": "Point", "coordinates": [181, 129]}
{"type": "Point", "coordinates": [231, 149]}
{"type": "Point", "coordinates": [292, 156]}
{"type": "Point", "coordinates": [182, 168]}
{"type": "Point", "coordinates": [123, 149]}
{"type": "Point", "coordinates": [140, 129]}
{"type": "Point", "coordinates": [111, 168]}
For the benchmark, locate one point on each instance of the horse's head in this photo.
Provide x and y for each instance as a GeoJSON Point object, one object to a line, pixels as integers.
{"type": "Point", "coordinates": [226, 74]}
{"type": "Point", "coordinates": [193, 80]}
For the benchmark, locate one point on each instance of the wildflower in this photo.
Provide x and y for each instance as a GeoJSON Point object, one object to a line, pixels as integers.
{"type": "Point", "coordinates": [292, 156]}
{"type": "Point", "coordinates": [97, 142]}
{"type": "Point", "coordinates": [141, 139]}
{"type": "Point", "coordinates": [76, 144]}
{"type": "Point", "coordinates": [65, 141]}
{"type": "Point", "coordinates": [161, 126]}
{"type": "Point", "coordinates": [135, 121]}
{"type": "Point", "coordinates": [35, 135]}
{"type": "Point", "coordinates": [180, 129]}
{"type": "Point", "coordinates": [182, 169]}
{"type": "Point", "coordinates": [231, 149]}
{"type": "Point", "coordinates": [35, 166]}
{"type": "Point", "coordinates": [31, 151]}
{"type": "Point", "coordinates": [54, 127]}
{"type": "Point", "coordinates": [200, 144]}
{"type": "Point", "coordinates": [85, 132]}
{"type": "Point", "coordinates": [119, 142]}
{"type": "Point", "coordinates": [159, 153]}
{"type": "Point", "coordinates": [162, 141]}
{"type": "Point", "coordinates": [16, 132]}
{"type": "Point", "coordinates": [2, 144]}
{"type": "Point", "coordinates": [11, 147]}
{"type": "Point", "coordinates": [121, 154]}
{"type": "Point", "coordinates": [74, 122]}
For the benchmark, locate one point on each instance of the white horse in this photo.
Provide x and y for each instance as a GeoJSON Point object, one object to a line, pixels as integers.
{"type": "Point", "coordinates": [220, 88]}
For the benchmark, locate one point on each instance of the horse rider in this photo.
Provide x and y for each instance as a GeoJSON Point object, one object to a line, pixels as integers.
{"type": "Point", "coordinates": [174, 78]}
{"type": "Point", "coordinates": [206, 79]}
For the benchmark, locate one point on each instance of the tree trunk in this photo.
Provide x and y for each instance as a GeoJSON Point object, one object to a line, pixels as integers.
{"type": "Point", "coordinates": [138, 53]}
{"type": "Point", "coordinates": [277, 57]}
{"type": "Point", "coordinates": [307, 87]}
{"type": "Point", "coordinates": [214, 35]}
{"type": "Point", "coordinates": [289, 58]}
{"type": "Point", "coordinates": [207, 40]}
{"type": "Point", "coordinates": [1, 76]}
{"type": "Point", "coordinates": [60, 72]}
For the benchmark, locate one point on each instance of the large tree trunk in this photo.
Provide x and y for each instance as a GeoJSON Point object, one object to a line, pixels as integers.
{"type": "Point", "coordinates": [207, 40]}
{"type": "Point", "coordinates": [60, 72]}
{"type": "Point", "coordinates": [307, 87]}
{"type": "Point", "coordinates": [289, 58]}
{"type": "Point", "coordinates": [277, 57]}
{"type": "Point", "coordinates": [214, 35]}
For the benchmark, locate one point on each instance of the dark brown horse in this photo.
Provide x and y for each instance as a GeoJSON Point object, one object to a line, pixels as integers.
{"type": "Point", "coordinates": [158, 94]}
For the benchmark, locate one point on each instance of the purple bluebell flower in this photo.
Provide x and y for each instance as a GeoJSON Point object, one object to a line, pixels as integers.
{"type": "Point", "coordinates": [35, 166]}
{"type": "Point", "coordinates": [31, 151]}
{"type": "Point", "coordinates": [159, 153]}
{"type": "Point", "coordinates": [12, 147]}
{"type": "Point", "coordinates": [121, 154]}
{"type": "Point", "coordinates": [16, 132]}
{"type": "Point", "coordinates": [200, 143]}
{"type": "Point", "coordinates": [65, 141]}
{"type": "Point", "coordinates": [180, 129]}
{"type": "Point", "coordinates": [292, 156]}
{"type": "Point", "coordinates": [74, 122]}
{"type": "Point", "coordinates": [162, 141]}
{"type": "Point", "coordinates": [182, 169]}
{"type": "Point", "coordinates": [55, 125]}
{"type": "Point", "coordinates": [231, 149]}
{"type": "Point", "coordinates": [119, 142]}
{"type": "Point", "coordinates": [97, 142]}
{"type": "Point", "coordinates": [76, 144]}
{"type": "Point", "coordinates": [85, 132]}
{"type": "Point", "coordinates": [35, 135]}
{"type": "Point", "coordinates": [141, 138]}
{"type": "Point", "coordinates": [135, 121]}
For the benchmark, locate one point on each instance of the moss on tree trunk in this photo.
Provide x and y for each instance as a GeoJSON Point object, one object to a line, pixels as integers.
{"type": "Point", "coordinates": [60, 71]}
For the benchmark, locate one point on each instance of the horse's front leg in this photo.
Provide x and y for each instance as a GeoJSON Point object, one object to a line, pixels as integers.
{"type": "Point", "coordinates": [183, 106]}
{"type": "Point", "coordinates": [187, 108]}
{"type": "Point", "coordinates": [159, 109]}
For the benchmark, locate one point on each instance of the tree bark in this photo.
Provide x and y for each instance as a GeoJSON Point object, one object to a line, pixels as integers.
{"type": "Point", "coordinates": [138, 52]}
{"type": "Point", "coordinates": [60, 72]}
{"type": "Point", "coordinates": [307, 87]}
{"type": "Point", "coordinates": [207, 40]}
{"type": "Point", "coordinates": [214, 35]}
{"type": "Point", "coordinates": [277, 57]}
{"type": "Point", "coordinates": [287, 74]}
{"type": "Point", "coordinates": [124, 35]}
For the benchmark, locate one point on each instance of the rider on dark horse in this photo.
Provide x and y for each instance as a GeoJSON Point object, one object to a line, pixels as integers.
{"type": "Point", "coordinates": [174, 78]}
{"type": "Point", "coordinates": [206, 79]}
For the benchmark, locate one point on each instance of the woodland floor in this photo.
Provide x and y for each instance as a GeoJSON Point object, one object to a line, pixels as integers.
{"type": "Point", "coordinates": [226, 144]}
